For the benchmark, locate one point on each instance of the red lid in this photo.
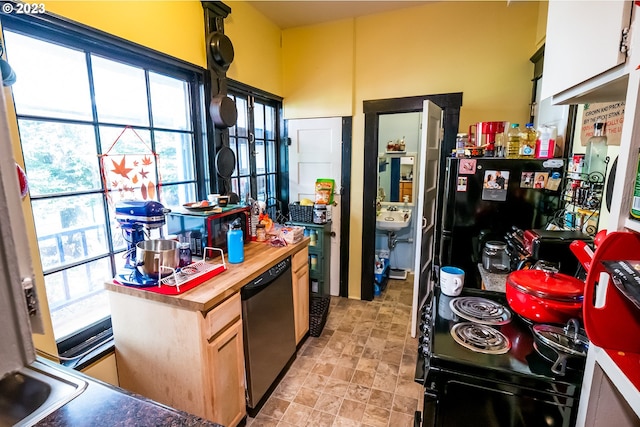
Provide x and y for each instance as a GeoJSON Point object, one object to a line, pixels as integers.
{"type": "Point", "coordinates": [545, 284]}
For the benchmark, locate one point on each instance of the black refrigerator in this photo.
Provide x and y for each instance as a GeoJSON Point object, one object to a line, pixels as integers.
{"type": "Point", "coordinates": [484, 198]}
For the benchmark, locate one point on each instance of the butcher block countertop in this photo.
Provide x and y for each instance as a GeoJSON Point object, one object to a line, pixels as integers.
{"type": "Point", "coordinates": [258, 258]}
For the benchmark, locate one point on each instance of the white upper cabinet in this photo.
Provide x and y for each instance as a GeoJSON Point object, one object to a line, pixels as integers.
{"type": "Point", "coordinates": [584, 59]}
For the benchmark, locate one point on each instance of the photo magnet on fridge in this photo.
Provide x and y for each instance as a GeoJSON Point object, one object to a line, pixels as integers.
{"type": "Point", "coordinates": [526, 180]}
{"type": "Point", "coordinates": [467, 167]}
{"type": "Point", "coordinates": [540, 180]}
{"type": "Point", "coordinates": [462, 183]}
{"type": "Point", "coordinates": [495, 185]}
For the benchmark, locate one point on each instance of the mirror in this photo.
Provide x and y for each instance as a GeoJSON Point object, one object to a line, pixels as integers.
{"type": "Point", "coordinates": [398, 138]}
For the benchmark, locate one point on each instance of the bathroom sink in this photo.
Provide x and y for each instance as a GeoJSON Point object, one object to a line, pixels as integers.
{"type": "Point", "coordinates": [393, 220]}
{"type": "Point", "coordinates": [35, 391]}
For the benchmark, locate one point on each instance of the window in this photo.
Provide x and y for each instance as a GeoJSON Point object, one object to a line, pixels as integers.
{"type": "Point", "coordinates": [72, 102]}
{"type": "Point", "coordinates": [254, 140]}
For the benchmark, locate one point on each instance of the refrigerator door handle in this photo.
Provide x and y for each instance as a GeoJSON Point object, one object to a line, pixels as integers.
{"type": "Point", "coordinates": [424, 223]}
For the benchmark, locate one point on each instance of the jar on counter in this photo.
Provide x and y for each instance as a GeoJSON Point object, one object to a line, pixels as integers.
{"type": "Point", "coordinates": [495, 258]}
{"type": "Point", "coordinates": [319, 214]}
{"type": "Point", "coordinates": [261, 233]}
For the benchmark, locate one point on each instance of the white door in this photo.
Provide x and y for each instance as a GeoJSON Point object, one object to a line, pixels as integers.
{"type": "Point", "coordinates": [316, 152]}
{"type": "Point", "coordinates": [429, 159]}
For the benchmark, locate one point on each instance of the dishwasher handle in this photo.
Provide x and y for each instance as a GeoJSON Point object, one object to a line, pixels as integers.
{"type": "Point", "coordinates": [265, 279]}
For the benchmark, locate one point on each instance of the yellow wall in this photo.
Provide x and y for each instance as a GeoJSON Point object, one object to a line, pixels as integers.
{"type": "Point", "coordinates": [173, 27]}
{"type": "Point", "coordinates": [319, 70]}
{"type": "Point", "coordinates": [541, 25]}
{"type": "Point", "coordinates": [256, 42]}
{"type": "Point", "coordinates": [479, 48]}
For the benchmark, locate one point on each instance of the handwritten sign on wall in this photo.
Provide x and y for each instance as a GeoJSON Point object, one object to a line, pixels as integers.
{"type": "Point", "coordinates": [612, 113]}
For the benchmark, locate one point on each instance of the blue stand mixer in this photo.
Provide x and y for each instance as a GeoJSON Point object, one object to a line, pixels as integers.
{"type": "Point", "coordinates": [137, 219]}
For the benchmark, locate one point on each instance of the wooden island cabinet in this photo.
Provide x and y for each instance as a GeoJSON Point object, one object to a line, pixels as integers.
{"type": "Point", "coordinates": [186, 351]}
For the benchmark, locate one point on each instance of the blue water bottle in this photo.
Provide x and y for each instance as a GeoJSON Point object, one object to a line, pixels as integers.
{"type": "Point", "coordinates": [235, 243]}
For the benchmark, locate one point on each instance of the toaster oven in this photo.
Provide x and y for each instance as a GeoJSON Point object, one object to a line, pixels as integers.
{"type": "Point", "coordinates": [208, 229]}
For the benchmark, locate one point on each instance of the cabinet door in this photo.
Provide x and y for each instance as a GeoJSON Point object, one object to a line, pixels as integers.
{"type": "Point", "coordinates": [583, 40]}
{"type": "Point", "coordinates": [300, 281]}
{"type": "Point", "coordinates": [226, 399]}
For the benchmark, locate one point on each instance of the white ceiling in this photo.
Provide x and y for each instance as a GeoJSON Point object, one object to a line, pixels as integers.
{"type": "Point", "coordinates": [289, 14]}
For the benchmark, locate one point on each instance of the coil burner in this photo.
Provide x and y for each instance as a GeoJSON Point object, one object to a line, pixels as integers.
{"type": "Point", "coordinates": [480, 338]}
{"type": "Point", "coordinates": [480, 310]}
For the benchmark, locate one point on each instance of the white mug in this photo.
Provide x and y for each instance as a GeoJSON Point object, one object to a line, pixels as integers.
{"type": "Point", "coordinates": [451, 280]}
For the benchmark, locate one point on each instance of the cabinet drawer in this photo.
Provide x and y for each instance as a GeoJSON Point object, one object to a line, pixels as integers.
{"type": "Point", "coordinates": [222, 315]}
{"type": "Point", "coordinates": [300, 259]}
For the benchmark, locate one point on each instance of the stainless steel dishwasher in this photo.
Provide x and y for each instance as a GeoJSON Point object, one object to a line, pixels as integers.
{"type": "Point", "coordinates": [268, 328]}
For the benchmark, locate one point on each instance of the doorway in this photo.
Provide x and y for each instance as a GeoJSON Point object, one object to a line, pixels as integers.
{"type": "Point", "coordinates": [450, 104]}
{"type": "Point", "coordinates": [321, 148]}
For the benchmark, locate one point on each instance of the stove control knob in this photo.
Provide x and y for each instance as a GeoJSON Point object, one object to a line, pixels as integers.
{"type": "Point", "coordinates": [424, 328]}
{"type": "Point", "coordinates": [425, 349]}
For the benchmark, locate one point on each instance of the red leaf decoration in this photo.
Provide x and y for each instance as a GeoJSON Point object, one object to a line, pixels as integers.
{"type": "Point", "coordinates": [151, 190]}
{"type": "Point", "coordinates": [120, 168]}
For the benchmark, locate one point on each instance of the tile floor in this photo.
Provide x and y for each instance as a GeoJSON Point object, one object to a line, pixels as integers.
{"type": "Point", "coordinates": [358, 373]}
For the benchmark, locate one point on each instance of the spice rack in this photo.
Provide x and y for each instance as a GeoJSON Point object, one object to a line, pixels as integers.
{"type": "Point", "coordinates": [582, 196]}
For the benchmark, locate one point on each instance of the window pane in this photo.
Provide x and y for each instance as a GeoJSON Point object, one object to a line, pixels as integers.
{"type": "Point", "coordinates": [70, 229]}
{"type": "Point", "coordinates": [271, 156]}
{"type": "Point", "coordinates": [270, 122]}
{"type": "Point", "coordinates": [117, 239]}
{"type": "Point", "coordinates": [258, 117]}
{"type": "Point", "coordinates": [272, 186]}
{"type": "Point", "coordinates": [129, 141]}
{"type": "Point", "coordinates": [262, 188]}
{"type": "Point", "coordinates": [243, 157]}
{"type": "Point", "coordinates": [77, 297]}
{"type": "Point", "coordinates": [242, 188]}
{"type": "Point", "coordinates": [121, 92]}
{"type": "Point", "coordinates": [52, 81]}
{"type": "Point", "coordinates": [59, 157]}
{"type": "Point", "coordinates": [178, 195]}
{"type": "Point", "coordinates": [175, 151]}
{"type": "Point", "coordinates": [169, 102]}
{"type": "Point", "coordinates": [242, 125]}
{"type": "Point", "coordinates": [260, 166]}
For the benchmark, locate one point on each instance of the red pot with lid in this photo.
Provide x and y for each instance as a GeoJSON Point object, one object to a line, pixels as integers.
{"type": "Point", "coordinates": [545, 296]}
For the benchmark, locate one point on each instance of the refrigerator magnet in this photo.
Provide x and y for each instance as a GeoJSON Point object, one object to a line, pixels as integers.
{"type": "Point", "coordinates": [553, 182]}
{"type": "Point", "coordinates": [467, 167]}
{"type": "Point", "coordinates": [526, 180]}
{"type": "Point", "coordinates": [462, 184]}
{"type": "Point", "coordinates": [540, 180]}
{"type": "Point", "coordinates": [494, 186]}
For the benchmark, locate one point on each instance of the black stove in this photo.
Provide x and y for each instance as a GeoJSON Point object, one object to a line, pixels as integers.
{"type": "Point", "coordinates": [502, 382]}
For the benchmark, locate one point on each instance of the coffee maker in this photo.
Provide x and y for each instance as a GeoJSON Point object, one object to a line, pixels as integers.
{"type": "Point", "coordinates": [487, 135]}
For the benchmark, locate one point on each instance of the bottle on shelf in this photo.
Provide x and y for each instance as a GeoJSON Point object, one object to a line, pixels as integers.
{"type": "Point", "coordinates": [546, 142]}
{"type": "Point", "coordinates": [528, 141]}
{"type": "Point", "coordinates": [596, 154]}
{"type": "Point", "coordinates": [461, 144]}
{"type": "Point", "coordinates": [513, 141]}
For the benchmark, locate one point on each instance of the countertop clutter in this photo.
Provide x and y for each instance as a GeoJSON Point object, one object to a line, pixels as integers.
{"type": "Point", "coordinates": [258, 256]}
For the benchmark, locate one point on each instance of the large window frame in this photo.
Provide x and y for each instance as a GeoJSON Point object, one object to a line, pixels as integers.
{"type": "Point", "coordinates": [60, 31]}
{"type": "Point", "coordinates": [257, 141]}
